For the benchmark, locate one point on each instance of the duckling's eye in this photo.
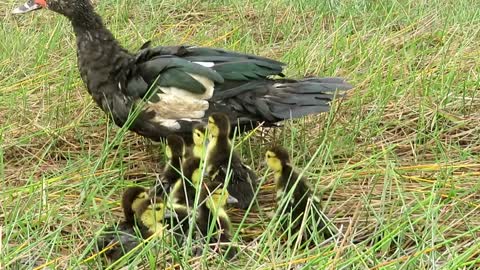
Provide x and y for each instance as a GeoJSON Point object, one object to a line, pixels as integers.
{"type": "Point", "coordinates": [158, 208]}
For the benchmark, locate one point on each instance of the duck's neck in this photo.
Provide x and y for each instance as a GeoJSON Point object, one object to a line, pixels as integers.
{"type": "Point", "coordinates": [97, 50]}
{"type": "Point", "coordinates": [216, 210]}
{"type": "Point", "coordinates": [89, 25]}
{"type": "Point", "coordinates": [87, 18]}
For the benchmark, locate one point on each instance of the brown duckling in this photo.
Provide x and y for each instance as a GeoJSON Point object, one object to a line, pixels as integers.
{"type": "Point", "coordinates": [131, 200]}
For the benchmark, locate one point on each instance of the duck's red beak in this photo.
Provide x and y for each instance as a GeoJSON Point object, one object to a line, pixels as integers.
{"type": "Point", "coordinates": [42, 3]}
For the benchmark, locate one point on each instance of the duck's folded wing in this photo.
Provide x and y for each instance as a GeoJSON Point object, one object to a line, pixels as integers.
{"type": "Point", "coordinates": [233, 67]}
{"type": "Point", "coordinates": [169, 74]}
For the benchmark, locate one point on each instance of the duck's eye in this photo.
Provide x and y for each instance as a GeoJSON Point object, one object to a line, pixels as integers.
{"type": "Point", "coordinates": [158, 208]}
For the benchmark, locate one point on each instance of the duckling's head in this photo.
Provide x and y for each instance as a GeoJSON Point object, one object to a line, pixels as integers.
{"type": "Point", "coordinates": [277, 158]}
{"type": "Point", "coordinates": [152, 213]}
{"type": "Point", "coordinates": [218, 125]}
{"type": "Point", "coordinates": [175, 147]}
{"type": "Point", "coordinates": [132, 199]}
{"type": "Point", "coordinates": [198, 134]}
{"type": "Point", "coordinates": [218, 196]}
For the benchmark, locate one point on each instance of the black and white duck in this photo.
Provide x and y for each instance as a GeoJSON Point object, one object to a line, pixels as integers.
{"type": "Point", "coordinates": [174, 87]}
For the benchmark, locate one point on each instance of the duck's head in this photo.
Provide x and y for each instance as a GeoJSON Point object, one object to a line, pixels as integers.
{"type": "Point", "coordinates": [69, 8]}
{"type": "Point", "coordinates": [218, 196]}
{"type": "Point", "coordinates": [277, 158]}
{"type": "Point", "coordinates": [132, 199]}
{"type": "Point", "coordinates": [218, 125]}
{"type": "Point", "coordinates": [175, 147]}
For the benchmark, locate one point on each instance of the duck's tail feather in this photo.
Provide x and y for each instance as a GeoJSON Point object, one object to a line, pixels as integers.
{"type": "Point", "coordinates": [276, 100]}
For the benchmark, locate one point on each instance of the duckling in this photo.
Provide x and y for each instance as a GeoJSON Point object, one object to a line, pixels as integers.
{"type": "Point", "coordinates": [175, 152]}
{"type": "Point", "coordinates": [184, 190]}
{"type": "Point", "coordinates": [131, 199]}
{"type": "Point", "coordinates": [213, 199]}
{"type": "Point", "coordinates": [285, 176]}
{"type": "Point", "coordinates": [151, 214]}
{"type": "Point", "coordinates": [199, 140]}
{"type": "Point", "coordinates": [243, 181]}
{"type": "Point", "coordinates": [123, 234]}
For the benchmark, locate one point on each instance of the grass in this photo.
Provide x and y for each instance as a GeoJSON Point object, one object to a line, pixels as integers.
{"type": "Point", "coordinates": [400, 155]}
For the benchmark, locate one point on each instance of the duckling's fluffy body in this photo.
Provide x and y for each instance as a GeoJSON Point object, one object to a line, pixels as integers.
{"type": "Point", "coordinates": [185, 188]}
{"type": "Point", "coordinates": [127, 234]}
{"type": "Point", "coordinates": [212, 213]}
{"type": "Point", "coordinates": [302, 199]}
{"type": "Point", "coordinates": [221, 157]}
{"type": "Point", "coordinates": [175, 151]}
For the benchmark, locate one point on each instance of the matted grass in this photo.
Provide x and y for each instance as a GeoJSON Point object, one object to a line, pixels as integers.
{"type": "Point", "coordinates": [399, 156]}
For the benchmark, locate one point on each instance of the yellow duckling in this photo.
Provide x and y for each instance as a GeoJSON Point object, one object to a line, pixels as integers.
{"type": "Point", "coordinates": [122, 237]}
{"type": "Point", "coordinates": [286, 180]}
{"type": "Point", "coordinates": [220, 156]}
{"type": "Point", "coordinates": [212, 213]}
{"type": "Point", "coordinates": [184, 189]}
{"type": "Point", "coordinates": [175, 152]}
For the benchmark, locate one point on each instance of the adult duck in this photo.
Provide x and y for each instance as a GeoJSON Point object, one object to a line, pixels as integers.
{"type": "Point", "coordinates": [172, 88]}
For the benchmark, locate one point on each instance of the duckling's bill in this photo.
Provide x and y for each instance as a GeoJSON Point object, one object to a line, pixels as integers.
{"type": "Point", "coordinates": [231, 199]}
{"type": "Point", "coordinates": [169, 213]}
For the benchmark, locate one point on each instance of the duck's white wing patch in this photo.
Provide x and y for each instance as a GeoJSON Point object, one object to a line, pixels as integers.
{"type": "Point", "coordinates": [170, 108]}
{"type": "Point", "coordinates": [169, 123]}
{"type": "Point", "coordinates": [206, 64]}
{"type": "Point", "coordinates": [175, 104]}
{"type": "Point", "coordinates": [182, 93]}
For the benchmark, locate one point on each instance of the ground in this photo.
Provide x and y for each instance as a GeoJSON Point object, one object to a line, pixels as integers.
{"type": "Point", "coordinates": [398, 160]}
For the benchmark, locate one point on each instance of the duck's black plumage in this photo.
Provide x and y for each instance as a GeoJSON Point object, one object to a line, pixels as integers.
{"type": "Point", "coordinates": [123, 237]}
{"type": "Point", "coordinates": [295, 207]}
{"type": "Point", "coordinates": [176, 147]}
{"type": "Point", "coordinates": [183, 85]}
